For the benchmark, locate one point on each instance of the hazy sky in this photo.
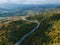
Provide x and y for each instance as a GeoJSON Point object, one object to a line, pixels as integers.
{"type": "Point", "coordinates": [31, 1]}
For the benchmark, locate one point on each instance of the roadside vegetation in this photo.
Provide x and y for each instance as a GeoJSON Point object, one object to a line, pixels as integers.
{"type": "Point", "coordinates": [49, 31]}
{"type": "Point", "coordinates": [11, 32]}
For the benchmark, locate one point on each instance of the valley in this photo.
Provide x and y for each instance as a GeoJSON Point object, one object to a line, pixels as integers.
{"type": "Point", "coordinates": [30, 25]}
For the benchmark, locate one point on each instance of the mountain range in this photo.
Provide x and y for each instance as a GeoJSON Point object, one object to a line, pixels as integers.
{"type": "Point", "coordinates": [22, 9]}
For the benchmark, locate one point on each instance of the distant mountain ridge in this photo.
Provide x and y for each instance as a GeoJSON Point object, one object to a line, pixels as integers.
{"type": "Point", "coordinates": [22, 9]}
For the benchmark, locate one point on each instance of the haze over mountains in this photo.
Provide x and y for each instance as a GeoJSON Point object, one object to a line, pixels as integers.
{"type": "Point", "coordinates": [22, 9]}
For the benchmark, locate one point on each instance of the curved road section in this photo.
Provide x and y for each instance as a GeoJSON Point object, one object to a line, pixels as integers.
{"type": "Point", "coordinates": [29, 33]}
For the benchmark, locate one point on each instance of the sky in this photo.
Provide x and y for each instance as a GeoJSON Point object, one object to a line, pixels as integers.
{"type": "Point", "coordinates": [31, 1]}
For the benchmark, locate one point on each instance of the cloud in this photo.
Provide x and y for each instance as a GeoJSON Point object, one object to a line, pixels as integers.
{"type": "Point", "coordinates": [30, 1]}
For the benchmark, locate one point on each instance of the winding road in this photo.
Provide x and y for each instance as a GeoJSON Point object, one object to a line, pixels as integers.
{"type": "Point", "coordinates": [29, 33]}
